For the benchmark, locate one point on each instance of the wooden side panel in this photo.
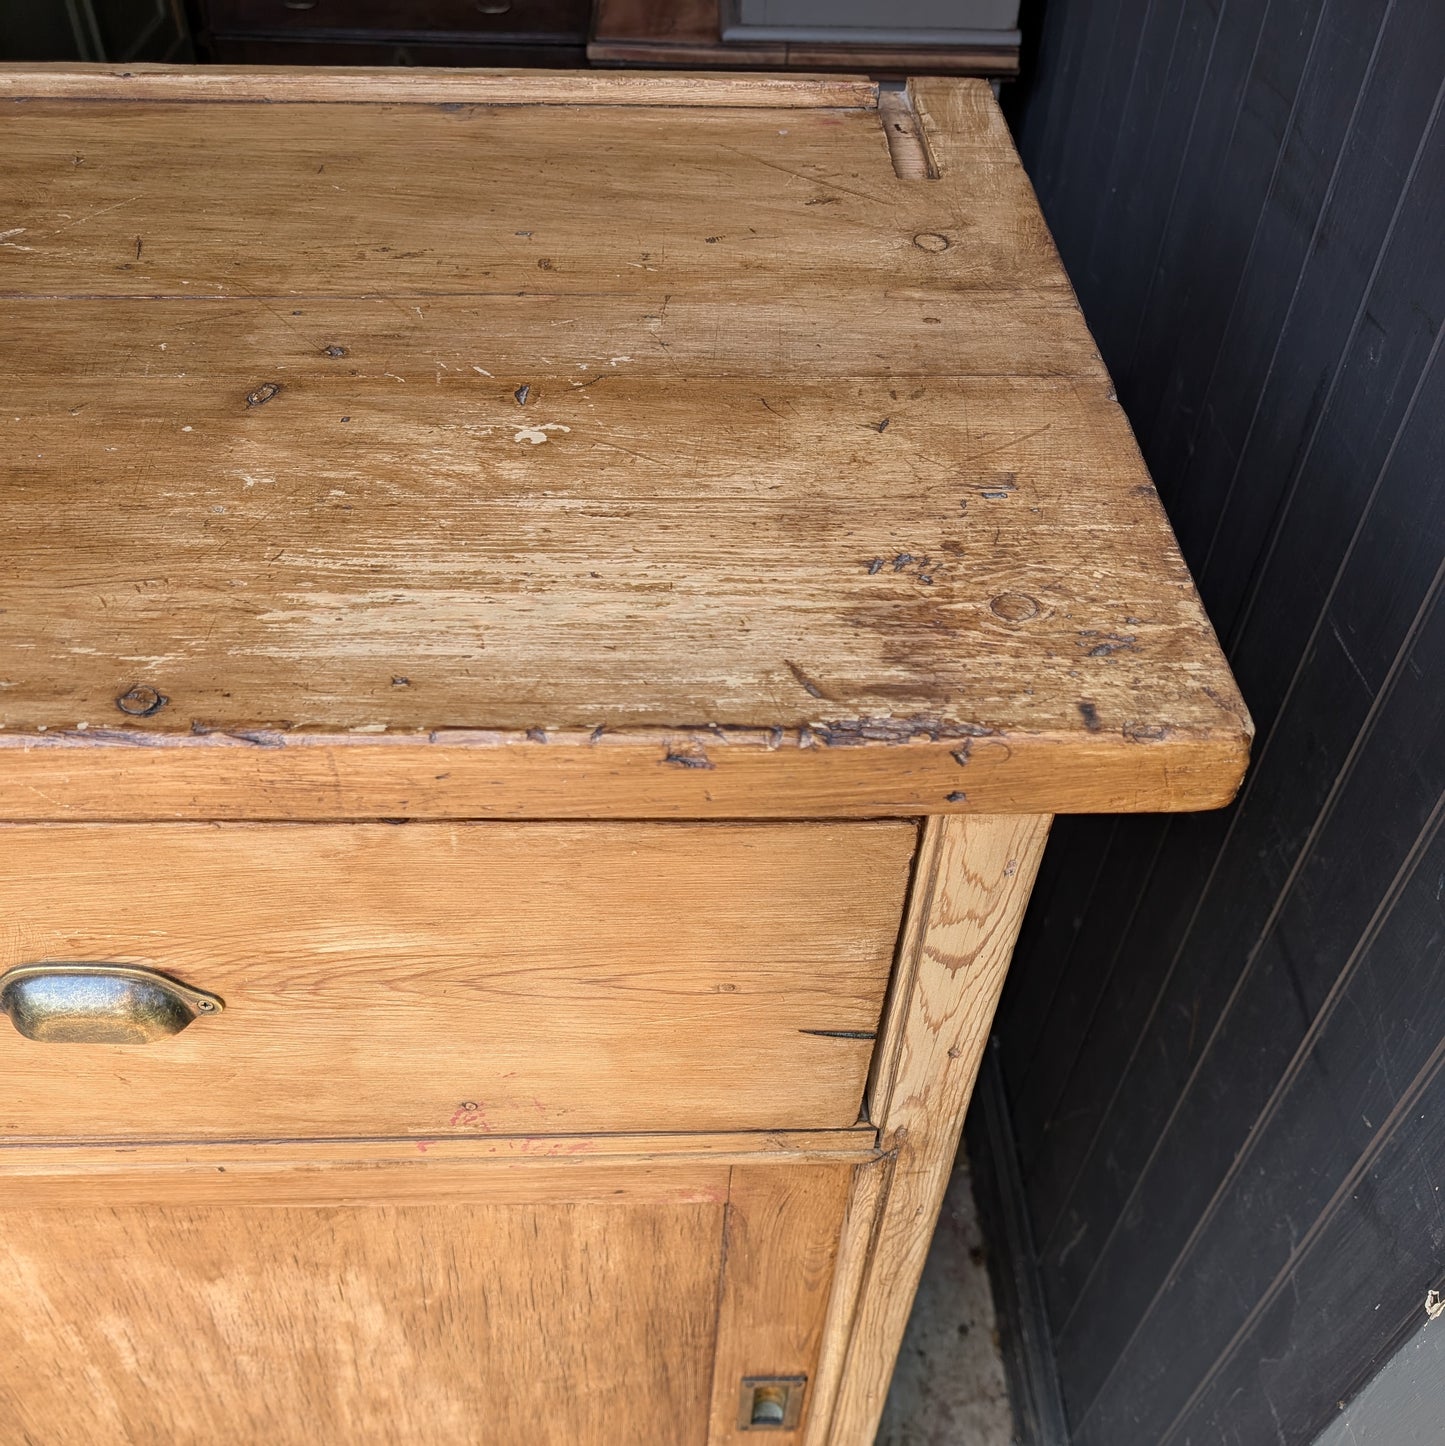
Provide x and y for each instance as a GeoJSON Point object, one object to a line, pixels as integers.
{"type": "Point", "coordinates": [780, 1251]}
{"type": "Point", "coordinates": [870, 1181]}
{"type": "Point", "coordinates": [518, 1325]}
{"type": "Point", "coordinates": [483, 979]}
{"type": "Point", "coordinates": [970, 889]}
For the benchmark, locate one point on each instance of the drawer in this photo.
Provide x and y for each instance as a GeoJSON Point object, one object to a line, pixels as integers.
{"type": "Point", "coordinates": [247, 50]}
{"type": "Point", "coordinates": [555, 20]}
{"type": "Point", "coordinates": [436, 979]}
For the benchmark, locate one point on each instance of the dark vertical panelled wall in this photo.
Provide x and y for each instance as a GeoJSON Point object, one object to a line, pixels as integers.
{"type": "Point", "coordinates": [1221, 1045]}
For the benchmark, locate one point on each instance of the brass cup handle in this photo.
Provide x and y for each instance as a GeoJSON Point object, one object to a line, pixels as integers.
{"type": "Point", "coordinates": [99, 1003]}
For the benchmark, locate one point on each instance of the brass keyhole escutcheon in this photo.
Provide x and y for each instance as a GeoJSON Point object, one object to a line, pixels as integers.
{"type": "Point", "coordinates": [770, 1403]}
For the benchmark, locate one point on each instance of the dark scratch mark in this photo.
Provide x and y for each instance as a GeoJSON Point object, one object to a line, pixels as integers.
{"type": "Point", "coordinates": [801, 176]}
{"type": "Point", "coordinates": [879, 427]}
{"type": "Point", "coordinates": [398, 681]}
{"type": "Point", "coordinates": [902, 561]}
{"type": "Point", "coordinates": [688, 760]}
{"type": "Point", "coordinates": [1012, 442]}
{"type": "Point", "coordinates": [262, 394]}
{"type": "Point", "coordinates": [1090, 714]}
{"type": "Point", "coordinates": [597, 733]}
{"type": "Point", "coordinates": [1145, 732]}
{"type": "Point", "coordinates": [138, 244]}
{"type": "Point", "coordinates": [841, 1033]}
{"type": "Point", "coordinates": [957, 796]}
{"type": "Point", "coordinates": [257, 737]}
{"type": "Point", "coordinates": [333, 350]}
{"type": "Point", "coordinates": [1111, 643]}
{"type": "Point", "coordinates": [613, 447]}
{"type": "Point", "coordinates": [851, 732]}
{"type": "Point", "coordinates": [537, 735]}
{"type": "Point", "coordinates": [522, 393]}
{"type": "Point", "coordinates": [961, 755]}
{"type": "Point", "coordinates": [875, 567]}
{"type": "Point", "coordinates": [804, 681]}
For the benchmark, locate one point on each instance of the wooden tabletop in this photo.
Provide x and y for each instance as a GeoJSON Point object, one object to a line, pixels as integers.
{"type": "Point", "coordinates": [553, 445]}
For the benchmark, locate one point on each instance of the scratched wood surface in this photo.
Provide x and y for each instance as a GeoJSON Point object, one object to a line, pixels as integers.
{"type": "Point", "coordinates": [972, 883]}
{"type": "Point", "coordinates": [780, 1248]}
{"type": "Point", "coordinates": [408, 424]}
{"type": "Point", "coordinates": [439, 1325]}
{"type": "Point", "coordinates": [453, 979]}
{"type": "Point", "coordinates": [265, 84]}
{"type": "Point", "coordinates": [493, 1170]}
{"type": "Point", "coordinates": [556, 1320]}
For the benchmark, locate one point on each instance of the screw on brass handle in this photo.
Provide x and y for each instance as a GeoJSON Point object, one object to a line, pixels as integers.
{"type": "Point", "coordinates": [99, 1003]}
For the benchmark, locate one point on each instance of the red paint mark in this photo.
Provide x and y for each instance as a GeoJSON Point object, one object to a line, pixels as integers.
{"type": "Point", "coordinates": [469, 1113]}
{"type": "Point", "coordinates": [422, 1145]}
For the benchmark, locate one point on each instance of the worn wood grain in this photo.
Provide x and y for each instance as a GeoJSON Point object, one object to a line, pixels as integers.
{"type": "Point", "coordinates": [780, 1247]}
{"type": "Point", "coordinates": [207, 1326]}
{"type": "Point", "coordinates": [972, 883]}
{"type": "Point", "coordinates": [855, 1246]}
{"type": "Point", "coordinates": [422, 86]}
{"type": "Point", "coordinates": [368, 200]}
{"type": "Point", "coordinates": [536, 1169]}
{"type": "Point", "coordinates": [446, 456]}
{"type": "Point", "coordinates": [462, 979]}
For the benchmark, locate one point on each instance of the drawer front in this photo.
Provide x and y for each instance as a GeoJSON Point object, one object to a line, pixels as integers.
{"type": "Point", "coordinates": [556, 20]}
{"type": "Point", "coordinates": [243, 50]}
{"type": "Point", "coordinates": [435, 979]}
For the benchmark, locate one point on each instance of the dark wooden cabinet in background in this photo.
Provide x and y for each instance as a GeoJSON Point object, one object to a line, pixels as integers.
{"type": "Point", "coordinates": [374, 32]}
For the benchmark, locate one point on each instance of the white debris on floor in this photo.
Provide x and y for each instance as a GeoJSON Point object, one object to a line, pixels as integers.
{"type": "Point", "coordinates": [949, 1387]}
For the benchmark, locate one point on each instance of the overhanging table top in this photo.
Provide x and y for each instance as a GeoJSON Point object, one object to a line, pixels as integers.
{"type": "Point", "coordinates": [558, 445]}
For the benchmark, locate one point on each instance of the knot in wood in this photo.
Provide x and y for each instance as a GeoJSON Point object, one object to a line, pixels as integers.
{"type": "Point", "coordinates": [141, 702]}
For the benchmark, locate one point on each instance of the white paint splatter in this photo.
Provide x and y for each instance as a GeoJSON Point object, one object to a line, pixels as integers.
{"type": "Point", "coordinates": [482, 370]}
{"type": "Point", "coordinates": [613, 361]}
{"type": "Point", "coordinates": [537, 435]}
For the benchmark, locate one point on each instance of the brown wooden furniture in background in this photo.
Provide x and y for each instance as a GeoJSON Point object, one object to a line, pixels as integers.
{"type": "Point", "coordinates": [564, 604]}
{"type": "Point", "coordinates": [393, 32]}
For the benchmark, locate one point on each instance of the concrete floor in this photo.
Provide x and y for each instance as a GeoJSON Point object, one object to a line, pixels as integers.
{"type": "Point", "coordinates": [949, 1388]}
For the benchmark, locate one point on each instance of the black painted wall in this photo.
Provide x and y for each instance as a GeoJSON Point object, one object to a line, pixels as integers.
{"type": "Point", "coordinates": [1222, 1042]}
